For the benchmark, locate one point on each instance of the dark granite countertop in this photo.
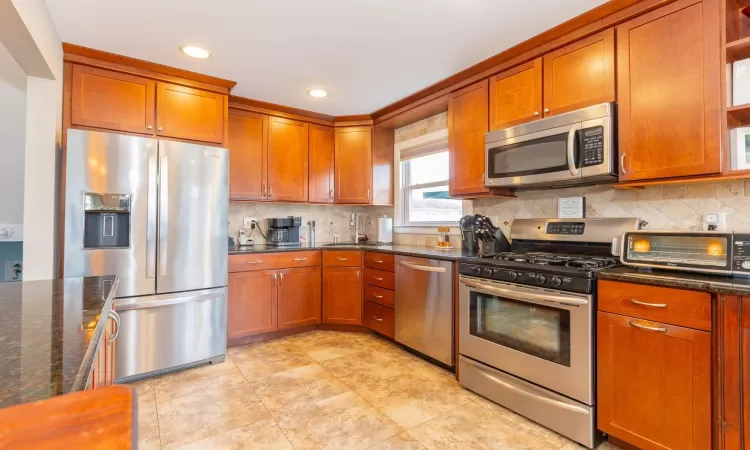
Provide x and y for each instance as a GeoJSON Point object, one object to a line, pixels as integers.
{"type": "Point", "coordinates": [49, 331]}
{"type": "Point", "coordinates": [683, 280]}
{"type": "Point", "coordinates": [408, 250]}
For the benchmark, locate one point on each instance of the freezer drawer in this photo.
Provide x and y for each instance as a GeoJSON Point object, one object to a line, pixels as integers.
{"type": "Point", "coordinates": [166, 332]}
{"type": "Point", "coordinates": [424, 306]}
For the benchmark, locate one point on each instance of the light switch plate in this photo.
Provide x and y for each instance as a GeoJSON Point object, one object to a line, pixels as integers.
{"type": "Point", "coordinates": [247, 222]}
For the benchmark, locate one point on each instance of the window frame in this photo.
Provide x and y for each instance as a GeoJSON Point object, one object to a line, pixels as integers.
{"type": "Point", "coordinates": [405, 189]}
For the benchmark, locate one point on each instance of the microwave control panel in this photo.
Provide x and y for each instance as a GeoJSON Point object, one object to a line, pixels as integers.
{"type": "Point", "coordinates": [741, 254]}
{"type": "Point", "coordinates": [593, 146]}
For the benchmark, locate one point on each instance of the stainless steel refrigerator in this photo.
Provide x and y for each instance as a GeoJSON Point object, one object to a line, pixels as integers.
{"type": "Point", "coordinates": [153, 212]}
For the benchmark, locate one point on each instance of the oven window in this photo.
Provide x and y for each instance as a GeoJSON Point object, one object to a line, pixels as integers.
{"type": "Point", "coordinates": [538, 156]}
{"type": "Point", "coordinates": [533, 329]}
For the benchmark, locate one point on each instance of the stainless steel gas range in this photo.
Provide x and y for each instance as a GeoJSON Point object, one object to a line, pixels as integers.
{"type": "Point", "coordinates": [526, 321]}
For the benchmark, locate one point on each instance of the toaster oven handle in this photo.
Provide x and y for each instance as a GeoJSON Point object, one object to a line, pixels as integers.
{"type": "Point", "coordinates": [510, 293]}
{"type": "Point", "coordinates": [572, 151]}
{"type": "Point", "coordinates": [615, 249]}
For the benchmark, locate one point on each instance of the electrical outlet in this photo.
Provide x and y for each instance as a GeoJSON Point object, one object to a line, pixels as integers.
{"type": "Point", "coordinates": [247, 222]}
{"type": "Point", "coordinates": [715, 221]}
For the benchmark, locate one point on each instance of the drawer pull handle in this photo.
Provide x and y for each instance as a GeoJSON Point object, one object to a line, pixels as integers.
{"type": "Point", "coordinates": [377, 319]}
{"type": "Point", "coordinates": [300, 259]}
{"type": "Point", "coordinates": [378, 278]}
{"type": "Point", "coordinates": [379, 261]}
{"type": "Point", "coordinates": [342, 259]}
{"type": "Point", "coordinates": [653, 305]}
{"type": "Point", "coordinates": [377, 296]}
{"type": "Point", "coordinates": [253, 262]}
{"type": "Point", "coordinates": [646, 327]}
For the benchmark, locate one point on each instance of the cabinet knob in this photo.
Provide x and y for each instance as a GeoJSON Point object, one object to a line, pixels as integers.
{"type": "Point", "coordinates": [161, 128]}
{"type": "Point", "coordinates": [622, 164]}
{"type": "Point", "coordinates": [536, 113]}
{"type": "Point", "coordinates": [149, 127]}
{"type": "Point", "coordinates": [546, 110]}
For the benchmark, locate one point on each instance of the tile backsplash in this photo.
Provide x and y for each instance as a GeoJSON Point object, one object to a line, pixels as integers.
{"type": "Point", "coordinates": [329, 220]}
{"type": "Point", "coordinates": [674, 206]}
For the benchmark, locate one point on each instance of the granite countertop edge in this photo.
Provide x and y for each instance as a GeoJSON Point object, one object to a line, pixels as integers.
{"type": "Point", "coordinates": [680, 280]}
{"type": "Point", "coordinates": [453, 254]}
{"type": "Point", "coordinates": [87, 365]}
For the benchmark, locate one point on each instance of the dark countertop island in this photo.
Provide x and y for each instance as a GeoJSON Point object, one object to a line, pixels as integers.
{"type": "Point", "coordinates": [682, 280]}
{"type": "Point", "coordinates": [49, 331]}
{"type": "Point", "coordinates": [408, 250]}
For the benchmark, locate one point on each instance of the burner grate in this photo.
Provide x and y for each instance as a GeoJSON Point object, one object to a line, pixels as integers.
{"type": "Point", "coordinates": [555, 260]}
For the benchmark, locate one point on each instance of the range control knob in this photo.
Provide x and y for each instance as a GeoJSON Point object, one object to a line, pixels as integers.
{"type": "Point", "coordinates": [513, 275]}
{"type": "Point", "coordinates": [488, 271]}
{"type": "Point", "coordinates": [746, 264]}
{"type": "Point", "coordinates": [477, 270]}
{"type": "Point", "coordinates": [556, 281]}
{"type": "Point", "coordinates": [540, 279]}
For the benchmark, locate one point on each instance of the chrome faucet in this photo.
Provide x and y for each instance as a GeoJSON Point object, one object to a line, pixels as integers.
{"type": "Point", "coordinates": [355, 222]}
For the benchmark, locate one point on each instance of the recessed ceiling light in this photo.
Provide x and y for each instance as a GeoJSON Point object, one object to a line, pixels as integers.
{"type": "Point", "coordinates": [195, 52]}
{"type": "Point", "coordinates": [317, 93]}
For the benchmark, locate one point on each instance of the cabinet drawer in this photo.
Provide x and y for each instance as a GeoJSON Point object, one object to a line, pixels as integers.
{"type": "Point", "coordinates": [342, 258]}
{"type": "Point", "coordinates": [380, 261]}
{"type": "Point", "coordinates": [379, 295]}
{"type": "Point", "coordinates": [379, 318]}
{"type": "Point", "coordinates": [380, 278]}
{"type": "Point", "coordinates": [673, 306]}
{"type": "Point", "coordinates": [265, 261]}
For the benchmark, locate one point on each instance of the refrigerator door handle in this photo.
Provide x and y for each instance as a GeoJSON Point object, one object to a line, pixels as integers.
{"type": "Point", "coordinates": [163, 213]}
{"type": "Point", "coordinates": [151, 220]}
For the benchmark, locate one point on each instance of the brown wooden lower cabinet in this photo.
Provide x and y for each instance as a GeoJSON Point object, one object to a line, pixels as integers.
{"type": "Point", "coordinates": [654, 383]}
{"type": "Point", "coordinates": [342, 295]}
{"type": "Point", "coordinates": [251, 305]}
{"type": "Point", "coordinates": [735, 376]}
{"type": "Point", "coordinates": [299, 297]}
{"type": "Point", "coordinates": [103, 372]}
{"type": "Point", "coordinates": [379, 318]}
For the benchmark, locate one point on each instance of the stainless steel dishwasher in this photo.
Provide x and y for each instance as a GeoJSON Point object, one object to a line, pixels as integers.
{"type": "Point", "coordinates": [424, 306]}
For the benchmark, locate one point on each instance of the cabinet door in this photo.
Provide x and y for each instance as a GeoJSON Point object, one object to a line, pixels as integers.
{"type": "Point", "coordinates": [287, 160]}
{"type": "Point", "coordinates": [247, 155]}
{"type": "Point", "coordinates": [516, 95]}
{"type": "Point", "coordinates": [342, 295]}
{"type": "Point", "coordinates": [112, 100]}
{"type": "Point", "coordinates": [353, 165]}
{"type": "Point", "coordinates": [299, 297]}
{"type": "Point", "coordinates": [735, 372]}
{"type": "Point", "coordinates": [321, 164]}
{"type": "Point", "coordinates": [251, 305]}
{"type": "Point", "coordinates": [580, 75]}
{"type": "Point", "coordinates": [467, 125]}
{"type": "Point", "coordinates": [668, 84]}
{"type": "Point", "coordinates": [187, 113]}
{"type": "Point", "coordinates": [654, 384]}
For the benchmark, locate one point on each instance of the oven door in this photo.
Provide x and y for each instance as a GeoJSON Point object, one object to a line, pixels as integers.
{"type": "Point", "coordinates": [541, 157]}
{"type": "Point", "coordinates": [541, 335]}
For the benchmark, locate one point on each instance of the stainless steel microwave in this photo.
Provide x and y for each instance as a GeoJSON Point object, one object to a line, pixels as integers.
{"type": "Point", "coordinates": [568, 149]}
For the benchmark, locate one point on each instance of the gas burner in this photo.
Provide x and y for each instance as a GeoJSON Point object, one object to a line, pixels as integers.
{"type": "Point", "coordinates": [580, 262]}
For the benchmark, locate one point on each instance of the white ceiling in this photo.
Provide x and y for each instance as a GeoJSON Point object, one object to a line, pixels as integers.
{"type": "Point", "coordinates": [365, 53]}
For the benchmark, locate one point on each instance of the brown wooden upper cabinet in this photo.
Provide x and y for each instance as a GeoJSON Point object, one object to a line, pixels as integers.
{"type": "Point", "coordinates": [321, 164]}
{"type": "Point", "coordinates": [287, 158]}
{"type": "Point", "coordinates": [516, 95]}
{"type": "Point", "coordinates": [247, 155]}
{"type": "Point", "coordinates": [580, 74]}
{"type": "Point", "coordinates": [122, 102]}
{"type": "Point", "coordinates": [353, 165]}
{"type": "Point", "coordinates": [668, 91]}
{"type": "Point", "coordinates": [187, 113]}
{"type": "Point", "coordinates": [112, 100]}
{"type": "Point", "coordinates": [467, 124]}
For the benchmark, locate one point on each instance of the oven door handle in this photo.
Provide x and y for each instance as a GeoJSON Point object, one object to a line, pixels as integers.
{"type": "Point", "coordinates": [517, 390]}
{"type": "Point", "coordinates": [516, 295]}
{"type": "Point", "coordinates": [571, 151]}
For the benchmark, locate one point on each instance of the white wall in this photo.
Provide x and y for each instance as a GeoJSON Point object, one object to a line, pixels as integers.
{"type": "Point", "coordinates": [28, 32]}
{"type": "Point", "coordinates": [13, 137]}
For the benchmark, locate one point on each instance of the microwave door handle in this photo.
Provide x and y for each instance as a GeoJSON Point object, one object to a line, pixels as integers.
{"type": "Point", "coordinates": [572, 151]}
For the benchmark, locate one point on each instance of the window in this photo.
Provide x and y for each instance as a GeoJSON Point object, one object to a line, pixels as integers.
{"type": "Point", "coordinates": [425, 191]}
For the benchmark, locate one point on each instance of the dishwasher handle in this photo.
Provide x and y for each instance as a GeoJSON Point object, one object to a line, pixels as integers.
{"type": "Point", "coordinates": [423, 268]}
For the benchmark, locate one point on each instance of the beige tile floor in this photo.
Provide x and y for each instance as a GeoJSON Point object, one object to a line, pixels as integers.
{"type": "Point", "coordinates": [324, 389]}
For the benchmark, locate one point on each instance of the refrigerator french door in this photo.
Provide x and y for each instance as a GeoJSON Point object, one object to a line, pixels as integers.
{"type": "Point", "coordinates": [153, 212]}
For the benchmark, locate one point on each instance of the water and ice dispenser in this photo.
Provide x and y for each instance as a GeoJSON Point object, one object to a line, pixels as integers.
{"type": "Point", "coordinates": [107, 222]}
